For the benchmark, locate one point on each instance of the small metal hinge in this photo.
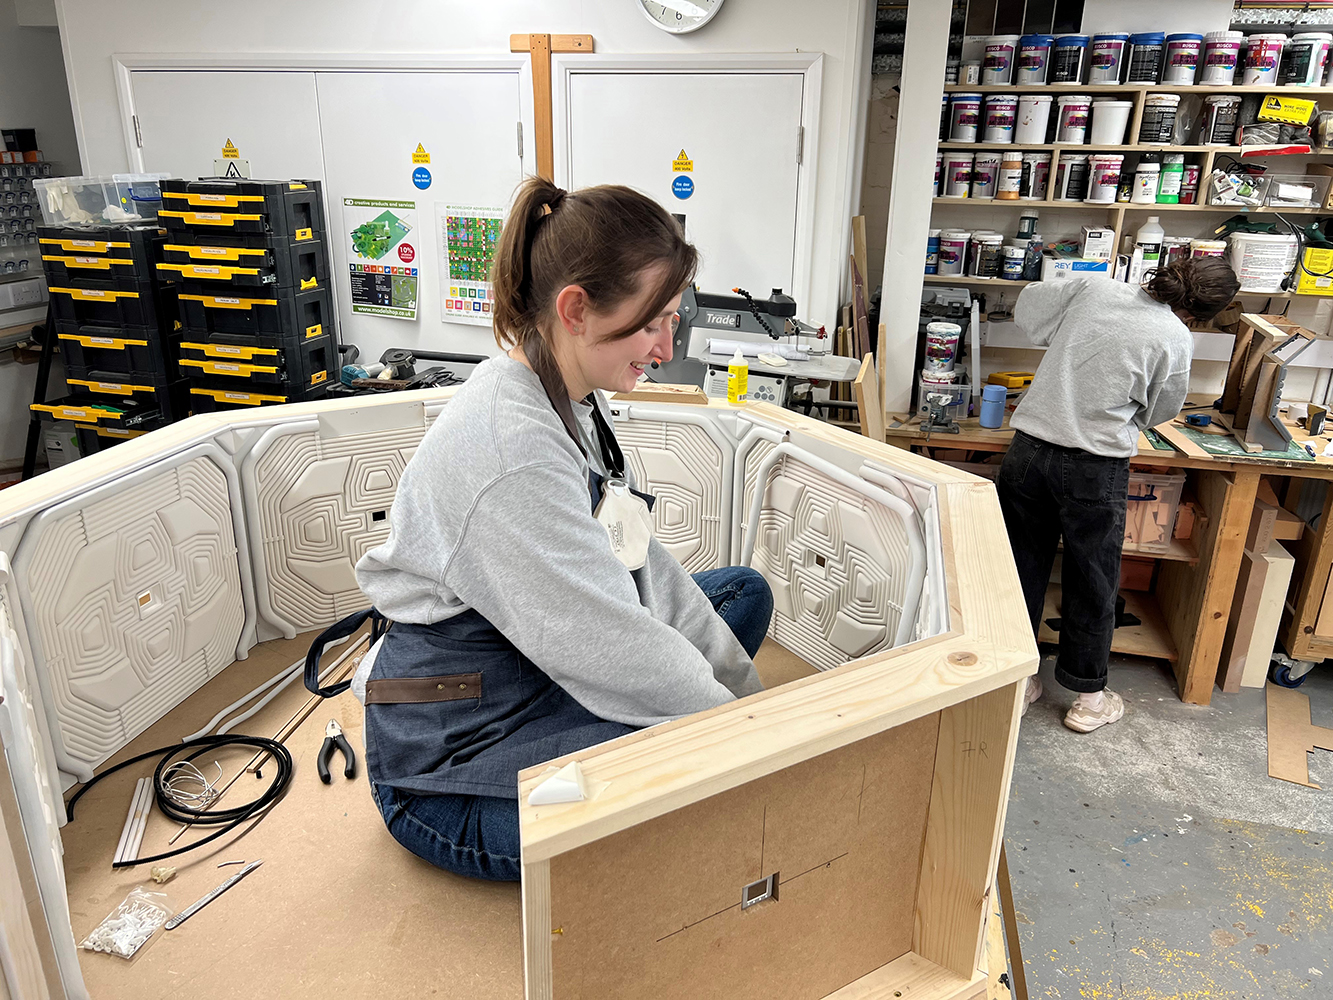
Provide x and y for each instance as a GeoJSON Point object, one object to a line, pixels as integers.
{"type": "Point", "coordinates": [138, 133]}
{"type": "Point", "coordinates": [800, 142]}
{"type": "Point", "coordinates": [520, 140]}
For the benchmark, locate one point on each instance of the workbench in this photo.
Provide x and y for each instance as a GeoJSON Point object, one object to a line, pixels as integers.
{"type": "Point", "coordinates": [1185, 621]}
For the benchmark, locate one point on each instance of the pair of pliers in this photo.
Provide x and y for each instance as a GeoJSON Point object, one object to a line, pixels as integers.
{"type": "Point", "coordinates": [333, 737]}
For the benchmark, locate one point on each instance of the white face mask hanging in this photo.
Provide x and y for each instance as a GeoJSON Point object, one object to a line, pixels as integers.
{"type": "Point", "coordinates": [628, 523]}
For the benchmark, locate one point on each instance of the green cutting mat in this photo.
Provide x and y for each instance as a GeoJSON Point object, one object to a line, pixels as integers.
{"type": "Point", "coordinates": [1218, 444]}
{"type": "Point", "coordinates": [1158, 442]}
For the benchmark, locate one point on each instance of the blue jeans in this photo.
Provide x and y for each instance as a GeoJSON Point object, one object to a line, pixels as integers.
{"type": "Point", "coordinates": [477, 835]}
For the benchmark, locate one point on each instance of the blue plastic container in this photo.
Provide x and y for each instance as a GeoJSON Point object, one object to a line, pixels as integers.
{"type": "Point", "coordinates": [1034, 60]}
{"type": "Point", "coordinates": [992, 406]}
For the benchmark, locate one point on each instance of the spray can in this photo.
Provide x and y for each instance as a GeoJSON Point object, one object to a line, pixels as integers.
{"type": "Point", "coordinates": [1032, 259]}
{"type": "Point", "coordinates": [738, 378]}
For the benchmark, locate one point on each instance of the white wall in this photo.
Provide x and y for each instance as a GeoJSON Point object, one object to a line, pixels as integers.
{"type": "Point", "coordinates": [93, 30]}
{"type": "Point", "coordinates": [33, 94]}
{"type": "Point", "coordinates": [1154, 15]}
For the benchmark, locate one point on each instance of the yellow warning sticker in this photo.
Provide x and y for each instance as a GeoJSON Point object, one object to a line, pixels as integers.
{"type": "Point", "coordinates": [682, 164]}
{"type": "Point", "coordinates": [420, 155]}
{"type": "Point", "coordinates": [230, 152]}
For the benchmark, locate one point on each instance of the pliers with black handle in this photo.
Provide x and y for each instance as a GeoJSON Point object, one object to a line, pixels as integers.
{"type": "Point", "coordinates": [333, 737]}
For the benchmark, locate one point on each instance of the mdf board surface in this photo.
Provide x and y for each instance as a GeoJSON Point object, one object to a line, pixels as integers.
{"type": "Point", "coordinates": [657, 907]}
{"type": "Point", "coordinates": [1241, 622]}
{"type": "Point", "coordinates": [1278, 564]}
{"type": "Point", "coordinates": [371, 123]}
{"type": "Point", "coordinates": [187, 116]}
{"type": "Point", "coordinates": [337, 909]}
{"type": "Point", "coordinates": [628, 127]}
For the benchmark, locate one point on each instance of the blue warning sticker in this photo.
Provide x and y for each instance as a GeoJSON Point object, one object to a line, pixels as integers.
{"type": "Point", "coordinates": [421, 178]}
{"type": "Point", "coordinates": [682, 187]}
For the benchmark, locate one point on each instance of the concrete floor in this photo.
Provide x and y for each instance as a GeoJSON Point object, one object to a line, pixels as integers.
{"type": "Point", "coordinates": [1156, 859]}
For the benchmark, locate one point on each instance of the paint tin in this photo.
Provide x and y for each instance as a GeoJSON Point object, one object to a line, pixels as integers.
{"type": "Point", "coordinates": [1110, 120]}
{"type": "Point", "coordinates": [1159, 119]}
{"type": "Point", "coordinates": [1012, 269]}
{"type": "Point", "coordinates": [1010, 181]}
{"type": "Point", "coordinates": [953, 250]}
{"type": "Point", "coordinates": [1262, 260]}
{"type": "Point", "coordinates": [941, 346]}
{"type": "Point", "coordinates": [1071, 177]}
{"type": "Point", "coordinates": [964, 117]}
{"type": "Point", "coordinates": [1145, 56]}
{"type": "Point", "coordinates": [997, 66]}
{"type": "Point", "coordinates": [1034, 60]}
{"type": "Point", "coordinates": [1305, 59]}
{"type": "Point", "coordinates": [1073, 118]}
{"type": "Point", "coordinates": [1107, 62]}
{"type": "Point", "coordinates": [1263, 57]}
{"type": "Point", "coordinates": [944, 118]}
{"type": "Point", "coordinates": [1036, 174]}
{"type": "Point", "coordinates": [957, 175]}
{"type": "Point", "coordinates": [969, 74]}
{"type": "Point", "coordinates": [939, 164]}
{"type": "Point", "coordinates": [1001, 110]}
{"type": "Point", "coordinates": [1103, 177]}
{"type": "Point", "coordinates": [1068, 58]}
{"type": "Point", "coordinates": [933, 251]}
{"type": "Point", "coordinates": [1182, 58]}
{"type": "Point", "coordinates": [1189, 184]}
{"type": "Point", "coordinates": [987, 255]}
{"type": "Point", "coordinates": [1034, 114]}
{"type": "Point", "coordinates": [1219, 120]}
{"type": "Point", "coordinates": [1208, 248]}
{"type": "Point", "coordinates": [1221, 52]}
{"type": "Point", "coordinates": [985, 173]}
{"type": "Point", "coordinates": [1175, 248]}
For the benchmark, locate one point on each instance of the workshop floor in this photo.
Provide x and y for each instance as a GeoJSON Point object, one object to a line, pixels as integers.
{"type": "Point", "coordinates": [1155, 858]}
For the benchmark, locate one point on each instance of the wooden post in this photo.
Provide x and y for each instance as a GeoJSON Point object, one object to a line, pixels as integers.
{"type": "Point", "coordinates": [540, 48]}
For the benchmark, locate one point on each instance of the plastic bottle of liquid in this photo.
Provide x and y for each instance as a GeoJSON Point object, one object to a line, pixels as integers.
{"type": "Point", "coordinates": [738, 378]}
{"type": "Point", "coordinates": [1147, 250]}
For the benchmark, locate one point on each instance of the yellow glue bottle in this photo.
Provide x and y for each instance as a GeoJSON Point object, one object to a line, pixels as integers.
{"type": "Point", "coordinates": [738, 378]}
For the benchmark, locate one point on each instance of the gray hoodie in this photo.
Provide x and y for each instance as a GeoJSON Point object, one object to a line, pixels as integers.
{"type": "Point", "coordinates": [493, 513]}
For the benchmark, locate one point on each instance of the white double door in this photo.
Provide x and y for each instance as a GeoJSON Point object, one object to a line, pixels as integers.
{"type": "Point", "coordinates": [356, 131]}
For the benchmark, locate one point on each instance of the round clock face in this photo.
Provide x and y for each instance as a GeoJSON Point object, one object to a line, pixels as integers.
{"type": "Point", "coordinates": [679, 16]}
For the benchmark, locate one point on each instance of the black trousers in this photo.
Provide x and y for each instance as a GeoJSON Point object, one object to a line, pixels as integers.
{"type": "Point", "coordinates": [1048, 492]}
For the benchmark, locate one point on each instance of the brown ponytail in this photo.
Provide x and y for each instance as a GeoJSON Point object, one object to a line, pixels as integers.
{"type": "Point", "coordinates": [1202, 286]}
{"type": "Point", "coordinates": [600, 238]}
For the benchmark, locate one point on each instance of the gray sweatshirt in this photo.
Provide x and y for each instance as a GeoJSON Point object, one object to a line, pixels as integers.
{"type": "Point", "coordinates": [493, 513]}
{"type": "Point", "coordinates": [1116, 361]}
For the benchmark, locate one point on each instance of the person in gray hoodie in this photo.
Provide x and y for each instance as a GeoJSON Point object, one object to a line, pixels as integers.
{"type": "Point", "coordinates": [533, 616]}
{"type": "Point", "coordinates": [1117, 361]}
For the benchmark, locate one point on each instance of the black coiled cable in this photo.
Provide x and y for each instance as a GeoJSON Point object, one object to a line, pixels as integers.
{"type": "Point", "coordinates": [230, 818]}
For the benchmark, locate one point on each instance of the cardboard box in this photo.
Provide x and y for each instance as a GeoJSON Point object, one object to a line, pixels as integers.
{"type": "Point", "coordinates": [1098, 243]}
{"type": "Point", "coordinates": [1063, 267]}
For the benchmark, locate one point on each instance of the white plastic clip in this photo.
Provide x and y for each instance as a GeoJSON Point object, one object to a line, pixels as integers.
{"type": "Point", "coordinates": [566, 785]}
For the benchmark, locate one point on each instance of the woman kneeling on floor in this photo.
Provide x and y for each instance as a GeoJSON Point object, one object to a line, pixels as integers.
{"type": "Point", "coordinates": [523, 631]}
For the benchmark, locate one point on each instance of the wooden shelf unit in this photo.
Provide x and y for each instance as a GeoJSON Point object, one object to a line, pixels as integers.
{"type": "Point", "coordinates": [1151, 638]}
{"type": "Point", "coordinates": [1129, 88]}
{"type": "Point", "coordinates": [961, 279]}
{"type": "Point", "coordinates": [1117, 211]}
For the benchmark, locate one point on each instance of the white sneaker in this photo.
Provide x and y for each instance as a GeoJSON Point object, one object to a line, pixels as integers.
{"type": "Point", "coordinates": [1032, 694]}
{"type": "Point", "coordinates": [1083, 719]}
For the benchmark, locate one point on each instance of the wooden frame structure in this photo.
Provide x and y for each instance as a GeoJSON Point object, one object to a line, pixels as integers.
{"type": "Point", "coordinates": [684, 817]}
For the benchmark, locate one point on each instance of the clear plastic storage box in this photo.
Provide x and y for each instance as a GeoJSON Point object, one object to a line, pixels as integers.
{"type": "Point", "coordinates": [81, 201]}
{"type": "Point", "coordinates": [1150, 520]}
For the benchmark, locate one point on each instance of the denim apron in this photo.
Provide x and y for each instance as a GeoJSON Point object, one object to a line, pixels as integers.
{"type": "Point", "coordinates": [455, 708]}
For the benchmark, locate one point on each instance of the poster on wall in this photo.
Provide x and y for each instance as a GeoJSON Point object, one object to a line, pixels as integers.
{"type": "Point", "coordinates": [467, 237]}
{"type": "Point", "coordinates": [382, 256]}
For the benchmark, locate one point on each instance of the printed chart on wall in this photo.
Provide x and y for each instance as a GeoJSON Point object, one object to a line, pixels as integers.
{"type": "Point", "coordinates": [382, 257]}
{"type": "Point", "coordinates": [467, 239]}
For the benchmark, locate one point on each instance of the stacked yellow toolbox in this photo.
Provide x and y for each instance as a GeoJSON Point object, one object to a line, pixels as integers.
{"type": "Point", "coordinates": [117, 329]}
{"type": "Point", "coordinates": [250, 258]}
